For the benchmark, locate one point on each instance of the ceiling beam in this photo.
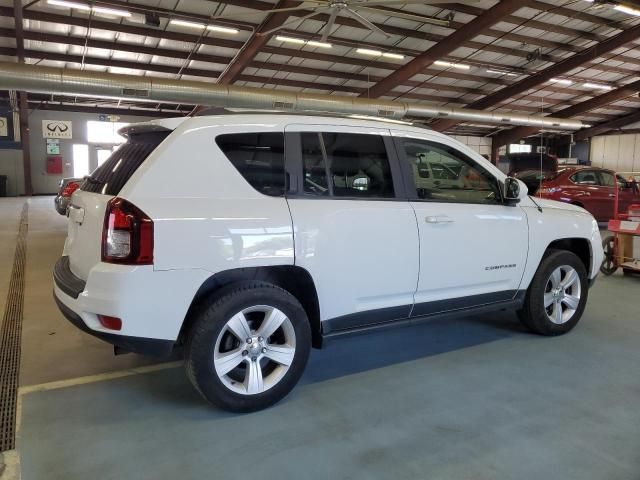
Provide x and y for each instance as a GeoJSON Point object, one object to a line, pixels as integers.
{"type": "Point", "coordinates": [607, 127]}
{"type": "Point", "coordinates": [438, 51]}
{"type": "Point", "coordinates": [265, 80]}
{"type": "Point", "coordinates": [256, 42]}
{"type": "Point", "coordinates": [509, 136]}
{"type": "Point", "coordinates": [547, 74]}
{"type": "Point", "coordinates": [235, 44]}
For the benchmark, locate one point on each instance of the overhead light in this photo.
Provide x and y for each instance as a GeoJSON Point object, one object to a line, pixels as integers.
{"type": "Point", "coordinates": [313, 43]}
{"type": "Point", "coordinates": [563, 81]}
{"type": "Point", "coordinates": [62, 3]}
{"type": "Point", "coordinates": [366, 51]}
{"type": "Point", "coordinates": [461, 66]}
{"type": "Point", "coordinates": [201, 26]}
{"type": "Point", "coordinates": [112, 11]}
{"type": "Point", "coordinates": [378, 53]}
{"type": "Point", "coordinates": [215, 28]}
{"type": "Point", "coordinates": [498, 72]}
{"type": "Point", "coordinates": [596, 86]}
{"type": "Point", "coordinates": [85, 7]}
{"type": "Point", "coordinates": [628, 10]}
{"type": "Point", "coordinates": [301, 41]}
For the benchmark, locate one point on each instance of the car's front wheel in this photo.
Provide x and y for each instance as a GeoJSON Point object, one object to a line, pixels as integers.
{"type": "Point", "coordinates": [248, 348]}
{"type": "Point", "coordinates": [557, 295]}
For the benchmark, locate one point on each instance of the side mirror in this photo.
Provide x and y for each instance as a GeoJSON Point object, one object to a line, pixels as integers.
{"type": "Point", "coordinates": [514, 191]}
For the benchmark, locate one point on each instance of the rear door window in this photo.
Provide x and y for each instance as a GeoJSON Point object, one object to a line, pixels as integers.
{"type": "Point", "coordinates": [606, 179]}
{"type": "Point", "coordinates": [259, 157]}
{"type": "Point", "coordinates": [346, 165]}
{"type": "Point", "coordinates": [113, 174]}
{"type": "Point", "coordinates": [585, 177]}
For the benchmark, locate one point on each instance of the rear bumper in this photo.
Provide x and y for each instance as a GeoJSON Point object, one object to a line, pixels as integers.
{"type": "Point", "coordinates": [151, 304]}
{"type": "Point", "coordinates": [144, 346]}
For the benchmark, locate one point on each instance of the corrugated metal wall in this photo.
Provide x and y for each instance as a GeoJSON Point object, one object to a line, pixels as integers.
{"type": "Point", "coordinates": [617, 152]}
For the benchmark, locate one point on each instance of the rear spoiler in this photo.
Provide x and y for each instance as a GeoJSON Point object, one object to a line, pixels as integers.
{"type": "Point", "coordinates": [136, 129]}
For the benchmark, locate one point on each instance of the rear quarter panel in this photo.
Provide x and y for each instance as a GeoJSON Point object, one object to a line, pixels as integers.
{"type": "Point", "coordinates": [206, 216]}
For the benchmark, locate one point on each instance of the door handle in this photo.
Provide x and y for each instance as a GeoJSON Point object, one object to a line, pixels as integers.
{"type": "Point", "coordinates": [612, 194]}
{"type": "Point", "coordinates": [438, 219]}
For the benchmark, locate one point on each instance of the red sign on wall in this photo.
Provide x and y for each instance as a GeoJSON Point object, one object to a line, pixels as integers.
{"type": "Point", "coordinates": [54, 164]}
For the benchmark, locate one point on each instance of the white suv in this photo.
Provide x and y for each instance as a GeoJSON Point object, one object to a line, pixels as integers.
{"type": "Point", "coordinates": [250, 238]}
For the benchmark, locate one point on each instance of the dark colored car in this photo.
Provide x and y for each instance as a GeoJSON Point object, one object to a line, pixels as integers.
{"type": "Point", "coordinates": [520, 162]}
{"type": "Point", "coordinates": [534, 178]}
{"type": "Point", "coordinates": [591, 188]}
{"type": "Point", "coordinates": [66, 187]}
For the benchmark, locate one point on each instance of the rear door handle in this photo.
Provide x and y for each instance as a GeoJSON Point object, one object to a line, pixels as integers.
{"type": "Point", "coordinates": [438, 219]}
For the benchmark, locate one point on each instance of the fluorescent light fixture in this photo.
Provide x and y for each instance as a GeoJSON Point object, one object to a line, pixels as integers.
{"type": "Point", "coordinates": [299, 41]}
{"type": "Point", "coordinates": [563, 81]}
{"type": "Point", "coordinates": [185, 23]}
{"type": "Point", "coordinates": [313, 43]}
{"type": "Point", "coordinates": [596, 86]}
{"type": "Point", "coordinates": [85, 7]}
{"type": "Point", "coordinates": [366, 51]}
{"type": "Point", "coordinates": [215, 28]}
{"type": "Point", "coordinates": [498, 72]}
{"type": "Point", "coordinates": [628, 10]}
{"type": "Point", "coordinates": [200, 26]}
{"type": "Point", "coordinates": [461, 66]}
{"type": "Point", "coordinates": [112, 11]}
{"type": "Point", "coordinates": [63, 3]}
{"type": "Point", "coordinates": [378, 53]}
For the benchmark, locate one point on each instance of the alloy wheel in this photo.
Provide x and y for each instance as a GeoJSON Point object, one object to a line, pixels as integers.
{"type": "Point", "coordinates": [562, 294]}
{"type": "Point", "coordinates": [254, 350]}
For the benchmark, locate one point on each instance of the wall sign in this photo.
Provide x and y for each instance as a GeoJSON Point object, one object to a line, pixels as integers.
{"type": "Point", "coordinates": [56, 129]}
{"type": "Point", "coordinates": [103, 117]}
{"type": "Point", "coordinates": [53, 146]}
{"type": "Point", "coordinates": [4, 124]}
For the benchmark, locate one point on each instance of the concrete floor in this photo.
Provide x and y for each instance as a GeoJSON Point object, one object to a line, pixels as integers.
{"type": "Point", "coordinates": [474, 398]}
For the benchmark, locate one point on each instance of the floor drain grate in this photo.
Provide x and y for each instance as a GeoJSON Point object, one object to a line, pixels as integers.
{"type": "Point", "coordinates": [10, 339]}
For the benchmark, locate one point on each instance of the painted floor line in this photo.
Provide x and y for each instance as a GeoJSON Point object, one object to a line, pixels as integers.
{"type": "Point", "coordinates": [102, 377]}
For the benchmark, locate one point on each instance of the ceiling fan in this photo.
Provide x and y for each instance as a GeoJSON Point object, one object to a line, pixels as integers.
{"type": "Point", "coordinates": [354, 9]}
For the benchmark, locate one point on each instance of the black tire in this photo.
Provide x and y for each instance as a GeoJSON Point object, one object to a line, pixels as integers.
{"type": "Point", "coordinates": [609, 264]}
{"type": "Point", "coordinates": [208, 325]}
{"type": "Point", "coordinates": [534, 314]}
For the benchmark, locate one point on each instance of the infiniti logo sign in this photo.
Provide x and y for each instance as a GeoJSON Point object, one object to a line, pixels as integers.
{"type": "Point", "coordinates": [56, 129]}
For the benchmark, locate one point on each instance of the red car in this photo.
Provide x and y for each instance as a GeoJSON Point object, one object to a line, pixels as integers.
{"type": "Point", "coordinates": [591, 188]}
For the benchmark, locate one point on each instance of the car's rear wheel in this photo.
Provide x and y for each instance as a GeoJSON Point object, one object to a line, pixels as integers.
{"type": "Point", "coordinates": [248, 348]}
{"type": "Point", "coordinates": [557, 295]}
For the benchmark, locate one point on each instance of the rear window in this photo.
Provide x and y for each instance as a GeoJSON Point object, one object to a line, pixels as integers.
{"type": "Point", "coordinates": [259, 157]}
{"type": "Point", "coordinates": [113, 174]}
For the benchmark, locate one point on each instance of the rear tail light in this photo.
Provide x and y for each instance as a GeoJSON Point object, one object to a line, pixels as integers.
{"type": "Point", "coordinates": [71, 187]}
{"type": "Point", "coordinates": [127, 235]}
{"type": "Point", "coordinates": [112, 323]}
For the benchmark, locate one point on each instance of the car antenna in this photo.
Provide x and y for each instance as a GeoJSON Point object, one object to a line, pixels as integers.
{"type": "Point", "coordinates": [536, 203]}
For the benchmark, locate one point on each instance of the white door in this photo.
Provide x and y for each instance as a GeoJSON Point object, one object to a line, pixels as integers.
{"type": "Point", "coordinates": [473, 248]}
{"type": "Point", "coordinates": [358, 241]}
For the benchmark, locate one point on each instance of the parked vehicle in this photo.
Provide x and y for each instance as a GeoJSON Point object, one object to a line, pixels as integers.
{"type": "Point", "coordinates": [207, 232]}
{"type": "Point", "coordinates": [591, 188]}
{"type": "Point", "coordinates": [520, 162]}
{"type": "Point", "coordinates": [533, 179]}
{"type": "Point", "coordinates": [66, 187]}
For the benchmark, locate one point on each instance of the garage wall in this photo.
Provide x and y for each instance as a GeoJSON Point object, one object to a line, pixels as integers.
{"type": "Point", "coordinates": [482, 145]}
{"type": "Point", "coordinates": [44, 183]}
{"type": "Point", "coordinates": [617, 152]}
{"type": "Point", "coordinates": [11, 166]}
